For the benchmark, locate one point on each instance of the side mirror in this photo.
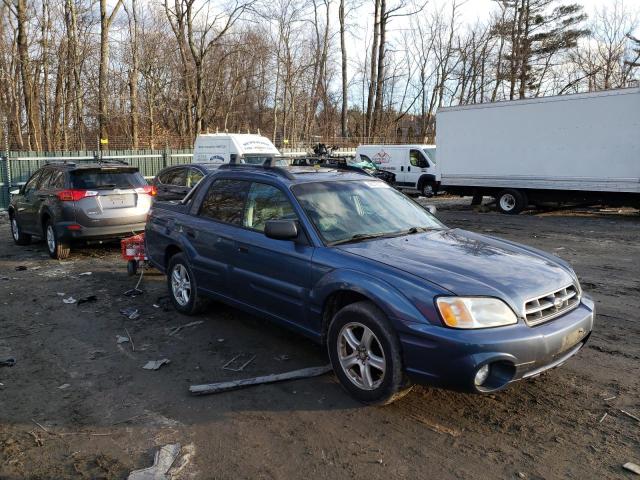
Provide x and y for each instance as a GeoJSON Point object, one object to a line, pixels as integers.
{"type": "Point", "coordinates": [15, 191]}
{"type": "Point", "coordinates": [432, 209]}
{"type": "Point", "coordinates": [281, 229]}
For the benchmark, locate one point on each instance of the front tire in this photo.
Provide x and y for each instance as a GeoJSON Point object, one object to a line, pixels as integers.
{"type": "Point", "coordinates": [365, 354]}
{"type": "Point", "coordinates": [182, 286]}
{"type": "Point", "coordinates": [55, 246]}
{"type": "Point", "coordinates": [427, 190]}
{"type": "Point", "coordinates": [16, 232]}
{"type": "Point", "coordinates": [511, 201]}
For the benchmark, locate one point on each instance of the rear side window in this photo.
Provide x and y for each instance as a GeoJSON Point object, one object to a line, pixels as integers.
{"type": "Point", "coordinates": [106, 179]}
{"type": "Point", "coordinates": [31, 183]}
{"type": "Point", "coordinates": [56, 180]}
{"type": "Point", "coordinates": [177, 177]}
{"type": "Point", "coordinates": [225, 201]}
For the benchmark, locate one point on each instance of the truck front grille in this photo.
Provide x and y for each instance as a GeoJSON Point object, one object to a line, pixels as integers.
{"type": "Point", "coordinates": [546, 307]}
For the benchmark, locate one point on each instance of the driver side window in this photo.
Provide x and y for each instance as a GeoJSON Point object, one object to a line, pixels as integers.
{"type": "Point", "coordinates": [264, 203]}
{"type": "Point", "coordinates": [417, 159]}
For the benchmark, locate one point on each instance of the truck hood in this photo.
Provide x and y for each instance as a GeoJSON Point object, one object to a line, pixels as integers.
{"type": "Point", "coordinates": [467, 263]}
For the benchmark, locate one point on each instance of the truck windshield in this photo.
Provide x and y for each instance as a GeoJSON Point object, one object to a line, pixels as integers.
{"type": "Point", "coordinates": [352, 211]}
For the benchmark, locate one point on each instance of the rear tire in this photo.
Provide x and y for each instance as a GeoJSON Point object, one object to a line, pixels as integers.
{"type": "Point", "coordinates": [16, 232]}
{"type": "Point", "coordinates": [511, 201]}
{"type": "Point", "coordinates": [55, 246]}
{"type": "Point", "coordinates": [182, 286]}
{"type": "Point", "coordinates": [365, 354]}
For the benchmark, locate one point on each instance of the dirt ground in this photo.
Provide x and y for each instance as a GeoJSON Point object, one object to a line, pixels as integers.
{"type": "Point", "coordinates": [78, 405]}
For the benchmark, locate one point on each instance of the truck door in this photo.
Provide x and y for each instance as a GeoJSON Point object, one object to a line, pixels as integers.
{"type": "Point", "coordinates": [212, 232]}
{"type": "Point", "coordinates": [271, 275]}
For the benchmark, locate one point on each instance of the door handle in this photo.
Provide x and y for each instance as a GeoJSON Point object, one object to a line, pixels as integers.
{"type": "Point", "coordinates": [242, 249]}
{"type": "Point", "coordinates": [402, 169]}
{"type": "Point", "coordinates": [408, 169]}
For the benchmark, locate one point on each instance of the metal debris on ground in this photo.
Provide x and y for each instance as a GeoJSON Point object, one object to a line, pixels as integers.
{"type": "Point", "coordinates": [69, 300]}
{"type": "Point", "coordinates": [88, 299]}
{"type": "Point", "coordinates": [135, 291]}
{"type": "Point", "coordinates": [632, 467]}
{"type": "Point", "coordinates": [64, 386]}
{"type": "Point", "coordinates": [120, 339]}
{"type": "Point", "coordinates": [7, 362]}
{"type": "Point", "coordinates": [239, 362]}
{"type": "Point", "coordinates": [278, 377]}
{"type": "Point", "coordinates": [175, 330]}
{"type": "Point", "coordinates": [156, 364]}
{"type": "Point", "coordinates": [162, 462]}
{"type": "Point", "coordinates": [131, 313]}
{"type": "Point", "coordinates": [85, 274]}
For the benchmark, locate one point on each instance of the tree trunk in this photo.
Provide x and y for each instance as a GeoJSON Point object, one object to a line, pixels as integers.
{"type": "Point", "coordinates": [343, 51]}
{"type": "Point", "coordinates": [379, 92]}
{"type": "Point", "coordinates": [31, 109]}
{"type": "Point", "coordinates": [105, 24]}
{"type": "Point", "coordinates": [373, 68]}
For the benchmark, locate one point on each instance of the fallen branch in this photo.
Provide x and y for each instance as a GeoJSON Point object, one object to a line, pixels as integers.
{"type": "Point", "coordinates": [630, 415]}
{"type": "Point", "coordinates": [247, 382]}
{"type": "Point", "coordinates": [133, 348]}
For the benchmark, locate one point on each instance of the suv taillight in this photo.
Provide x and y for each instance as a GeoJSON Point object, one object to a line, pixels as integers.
{"type": "Point", "coordinates": [148, 190]}
{"type": "Point", "coordinates": [75, 195]}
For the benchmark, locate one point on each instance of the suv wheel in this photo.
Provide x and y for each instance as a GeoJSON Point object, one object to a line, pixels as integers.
{"type": "Point", "coordinates": [182, 286]}
{"type": "Point", "coordinates": [18, 237]}
{"type": "Point", "coordinates": [57, 248]}
{"type": "Point", "coordinates": [365, 354]}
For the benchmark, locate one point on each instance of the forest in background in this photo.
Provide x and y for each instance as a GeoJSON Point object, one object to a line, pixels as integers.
{"type": "Point", "coordinates": [154, 73]}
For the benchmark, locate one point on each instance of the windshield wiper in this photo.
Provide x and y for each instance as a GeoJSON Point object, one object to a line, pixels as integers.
{"type": "Point", "coordinates": [358, 237]}
{"type": "Point", "coordinates": [105, 186]}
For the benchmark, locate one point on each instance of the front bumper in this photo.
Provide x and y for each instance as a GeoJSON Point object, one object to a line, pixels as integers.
{"type": "Point", "coordinates": [450, 358]}
{"type": "Point", "coordinates": [69, 231]}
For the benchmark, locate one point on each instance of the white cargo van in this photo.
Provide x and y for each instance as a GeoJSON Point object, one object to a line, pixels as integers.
{"type": "Point", "coordinates": [413, 165]}
{"type": "Point", "coordinates": [236, 147]}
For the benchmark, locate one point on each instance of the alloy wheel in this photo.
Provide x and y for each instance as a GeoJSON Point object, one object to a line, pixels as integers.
{"type": "Point", "coordinates": [51, 239]}
{"type": "Point", "coordinates": [15, 229]}
{"type": "Point", "coordinates": [361, 356]}
{"type": "Point", "coordinates": [181, 284]}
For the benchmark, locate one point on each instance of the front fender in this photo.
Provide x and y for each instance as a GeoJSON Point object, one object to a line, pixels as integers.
{"type": "Point", "coordinates": [388, 298]}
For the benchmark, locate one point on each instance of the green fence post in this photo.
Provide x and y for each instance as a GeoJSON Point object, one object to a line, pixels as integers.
{"type": "Point", "coordinates": [6, 182]}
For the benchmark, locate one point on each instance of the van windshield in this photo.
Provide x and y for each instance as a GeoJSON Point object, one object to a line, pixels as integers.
{"type": "Point", "coordinates": [431, 154]}
{"type": "Point", "coordinates": [357, 210]}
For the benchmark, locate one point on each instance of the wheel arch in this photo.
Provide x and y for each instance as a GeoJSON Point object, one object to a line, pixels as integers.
{"type": "Point", "coordinates": [343, 287]}
{"type": "Point", "coordinates": [170, 251]}
{"type": "Point", "coordinates": [426, 179]}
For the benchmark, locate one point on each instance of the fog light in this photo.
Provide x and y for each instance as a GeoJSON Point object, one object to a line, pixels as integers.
{"type": "Point", "coordinates": [481, 375]}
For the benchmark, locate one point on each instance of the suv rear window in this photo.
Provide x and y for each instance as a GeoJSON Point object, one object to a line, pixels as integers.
{"type": "Point", "coordinates": [96, 179]}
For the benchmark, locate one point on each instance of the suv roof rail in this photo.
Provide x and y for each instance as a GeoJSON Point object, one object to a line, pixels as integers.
{"type": "Point", "coordinates": [112, 160]}
{"type": "Point", "coordinates": [264, 167]}
{"type": "Point", "coordinates": [60, 162]}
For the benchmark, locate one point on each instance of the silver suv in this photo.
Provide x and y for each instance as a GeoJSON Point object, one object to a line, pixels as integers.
{"type": "Point", "coordinates": [67, 202]}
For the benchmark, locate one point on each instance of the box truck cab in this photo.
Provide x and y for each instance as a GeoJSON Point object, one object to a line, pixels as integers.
{"type": "Point", "coordinates": [233, 147]}
{"type": "Point", "coordinates": [413, 165]}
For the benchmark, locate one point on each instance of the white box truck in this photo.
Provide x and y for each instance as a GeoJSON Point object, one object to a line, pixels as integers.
{"type": "Point", "coordinates": [233, 147]}
{"type": "Point", "coordinates": [412, 164]}
{"type": "Point", "coordinates": [582, 147]}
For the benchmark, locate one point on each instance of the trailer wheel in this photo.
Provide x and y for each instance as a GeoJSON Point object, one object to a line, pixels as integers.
{"type": "Point", "coordinates": [132, 267]}
{"type": "Point", "coordinates": [511, 201]}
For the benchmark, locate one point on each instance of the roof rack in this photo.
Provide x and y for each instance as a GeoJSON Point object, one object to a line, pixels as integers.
{"type": "Point", "coordinates": [344, 166]}
{"type": "Point", "coordinates": [264, 167]}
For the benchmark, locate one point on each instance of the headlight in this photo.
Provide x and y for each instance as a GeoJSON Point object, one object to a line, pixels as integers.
{"type": "Point", "coordinates": [475, 312]}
